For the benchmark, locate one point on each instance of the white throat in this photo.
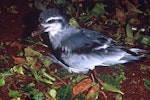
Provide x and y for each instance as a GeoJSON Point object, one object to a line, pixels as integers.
{"type": "Point", "coordinates": [52, 29]}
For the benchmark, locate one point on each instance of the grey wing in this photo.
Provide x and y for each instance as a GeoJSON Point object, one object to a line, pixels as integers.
{"type": "Point", "coordinates": [87, 41]}
{"type": "Point", "coordinates": [91, 44]}
{"type": "Point", "coordinates": [86, 49]}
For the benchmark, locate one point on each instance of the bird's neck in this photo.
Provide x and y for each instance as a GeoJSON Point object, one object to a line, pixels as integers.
{"type": "Point", "coordinates": [60, 35]}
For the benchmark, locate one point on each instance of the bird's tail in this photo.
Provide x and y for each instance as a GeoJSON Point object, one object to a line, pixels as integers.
{"type": "Point", "coordinates": [141, 53]}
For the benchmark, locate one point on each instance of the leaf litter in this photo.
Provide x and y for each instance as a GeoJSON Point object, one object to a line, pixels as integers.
{"type": "Point", "coordinates": [34, 64]}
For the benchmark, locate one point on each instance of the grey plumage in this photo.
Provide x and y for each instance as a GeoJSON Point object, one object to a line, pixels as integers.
{"type": "Point", "coordinates": [79, 49]}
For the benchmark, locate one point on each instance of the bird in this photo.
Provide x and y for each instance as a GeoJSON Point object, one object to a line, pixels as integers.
{"type": "Point", "coordinates": [79, 50]}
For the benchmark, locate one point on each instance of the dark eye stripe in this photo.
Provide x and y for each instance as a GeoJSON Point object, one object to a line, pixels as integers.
{"type": "Point", "coordinates": [51, 21]}
{"type": "Point", "coordinates": [54, 20]}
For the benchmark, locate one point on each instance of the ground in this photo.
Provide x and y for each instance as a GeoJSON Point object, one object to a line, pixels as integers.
{"type": "Point", "coordinates": [17, 23]}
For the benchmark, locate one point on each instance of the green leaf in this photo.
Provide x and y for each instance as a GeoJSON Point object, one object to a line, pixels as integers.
{"type": "Point", "coordinates": [78, 78]}
{"type": "Point", "coordinates": [5, 58]}
{"type": "Point", "coordinates": [118, 97]}
{"type": "Point", "coordinates": [73, 22]}
{"type": "Point", "coordinates": [2, 80]}
{"type": "Point", "coordinates": [120, 78]}
{"type": "Point", "coordinates": [61, 1]}
{"type": "Point", "coordinates": [47, 75]}
{"type": "Point", "coordinates": [47, 62]}
{"type": "Point", "coordinates": [111, 88]}
{"type": "Point", "coordinates": [147, 83]}
{"type": "Point", "coordinates": [97, 27]}
{"type": "Point", "coordinates": [84, 17]}
{"type": "Point", "coordinates": [18, 69]}
{"type": "Point", "coordinates": [62, 73]}
{"type": "Point", "coordinates": [39, 5]}
{"type": "Point", "coordinates": [29, 39]}
{"type": "Point", "coordinates": [70, 9]}
{"type": "Point", "coordinates": [129, 33]}
{"type": "Point", "coordinates": [29, 52]}
{"type": "Point", "coordinates": [21, 53]}
{"type": "Point", "coordinates": [98, 9]}
{"type": "Point", "coordinates": [145, 39]}
{"type": "Point", "coordinates": [117, 36]}
{"type": "Point", "coordinates": [53, 93]}
{"type": "Point", "coordinates": [38, 96]}
{"type": "Point", "coordinates": [14, 93]}
{"type": "Point", "coordinates": [45, 81]}
{"type": "Point", "coordinates": [64, 93]}
{"type": "Point", "coordinates": [31, 60]}
{"type": "Point", "coordinates": [28, 88]}
{"type": "Point", "coordinates": [134, 9]}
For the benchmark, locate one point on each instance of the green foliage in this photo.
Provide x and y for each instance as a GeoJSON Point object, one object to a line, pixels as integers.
{"type": "Point", "coordinates": [62, 73]}
{"type": "Point", "coordinates": [53, 93]}
{"type": "Point", "coordinates": [130, 38]}
{"type": "Point", "coordinates": [118, 97]}
{"type": "Point", "coordinates": [39, 5]}
{"type": "Point", "coordinates": [78, 78]}
{"type": "Point", "coordinates": [3, 75]}
{"type": "Point", "coordinates": [29, 40]}
{"type": "Point", "coordinates": [29, 90]}
{"type": "Point", "coordinates": [61, 1]}
{"type": "Point", "coordinates": [73, 22]}
{"type": "Point", "coordinates": [113, 83]}
{"type": "Point", "coordinates": [147, 83]}
{"type": "Point", "coordinates": [18, 69]}
{"type": "Point", "coordinates": [14, 93]}
{"type": "Point", "coordinates": [30, 53]}
{"type": "Point", "coordinates": [144, 39]}
{"type": "Point", "coordinates": [98, 10]}
{"type": "Point", "coordinates": [41, 75]}
{"type": "Point", "coordinates": [112, 88]}
{"type": "Point", "coordinates": [64, 93]}
{"type": "Point", "coordinates": [5, 58]}
{"type": "Point", "coordinates": [2, 80]}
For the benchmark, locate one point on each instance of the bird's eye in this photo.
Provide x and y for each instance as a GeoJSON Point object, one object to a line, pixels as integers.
{"type": "Point", "coordinates": [51, 21]}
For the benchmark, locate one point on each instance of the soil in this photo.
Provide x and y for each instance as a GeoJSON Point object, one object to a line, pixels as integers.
{"type": "Point", "coordinates": [15, 25]}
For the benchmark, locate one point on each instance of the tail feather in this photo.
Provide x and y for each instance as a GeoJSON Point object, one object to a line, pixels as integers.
{"type": "Point", "coordinates": [140, 52]}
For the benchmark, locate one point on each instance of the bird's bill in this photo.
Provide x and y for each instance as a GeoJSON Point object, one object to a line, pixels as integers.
{"type": "Point", "coordinates": [40, 29]}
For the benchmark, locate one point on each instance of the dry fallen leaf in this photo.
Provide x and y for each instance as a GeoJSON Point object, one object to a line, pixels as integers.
{"type": "Point", "coordinates": [120, 15]}
{"type": "Point", "coordinates": [128, 4]}
{"type": "Point", "coordinates": [82, 86]}
{"type": "Point", "coordinates": [19, 60]}
{"type": "Point", "coordinates": [93, 92]}
{"type": "Point", "coordinates": [16, 44]}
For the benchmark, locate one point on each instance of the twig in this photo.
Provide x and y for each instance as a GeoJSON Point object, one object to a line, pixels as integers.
{"type": "Point", "coordinates": [56, 77]}
{"type": "Point", "coordinates": [105, 96]}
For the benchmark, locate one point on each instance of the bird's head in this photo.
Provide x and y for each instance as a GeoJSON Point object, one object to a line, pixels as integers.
{"type": "Point", "coordinates": [51, 21]}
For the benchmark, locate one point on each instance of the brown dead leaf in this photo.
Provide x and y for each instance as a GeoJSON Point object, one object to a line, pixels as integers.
{"type": "Point", "coordinates": [128, 4]}
{"type": "Point", "coordinates": [82, 86]}
{"type": "Point", "coordinates": [14, 11]}
{"type": "Point", "coordinates": [120, 15]}
{"type": "Point", "coordinates": [134, 21]}
{"type": "Point", "coordinates": [121, 30]}
{"type": "Point", "coordinates": [19, 60]}
{"type": "Point", "coordinates": [91, 95]}
{"type": "Point", "coordinates": [16, 44]}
